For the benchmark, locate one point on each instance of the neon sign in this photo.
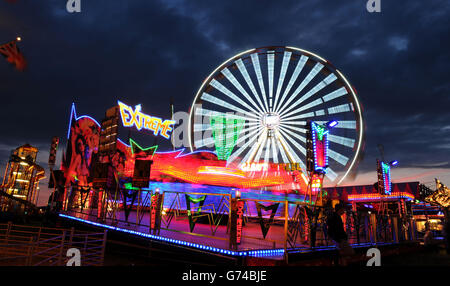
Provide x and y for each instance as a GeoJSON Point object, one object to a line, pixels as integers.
{"type": "Point", "coordinates": [386, 171]}
{"type": "Point", "coordinates": [254, 167]}
{"type": "Point", "coordinates": [320, 147]}
{"type": "Point", "coordinates": [240, 213]}
{"type": "Point", "coordinates": [141, 121]}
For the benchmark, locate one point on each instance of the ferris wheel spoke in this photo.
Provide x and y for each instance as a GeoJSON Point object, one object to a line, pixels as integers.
{"type": "Point", "coordinates": [226, 72]}
{"type": "Point", "coordinates": [252, 136]}
{"type": "Point", "coordinates": [267, 153]}
{"type": "Point", "coordinates": [317, 68]}
{"type": "Point", "coordinates": [270, 70]}
{"type": "Point", "coordinates": [257, 68]}
{"type": "Point", "coordinates": [217, 101]}
{"type": "Point", "coordinates": [293, 157]}
{"type": "Point", "coordinates": [217, 85]}
{"type": "Point", "coordinates": [209, 113]}
{"type": "Point", "coordinates": [274, 151]}
{"type": "Point", "coordinates": [299, 137]}
{"type": "Point", "coordinates": [341, 159]}
{"type": "Point", "coordinates": [298, 69]}
{"type": "Point", "coordinates": [304, 107]}
{"type": "Point", "coordinates": [260, 149]}
{"type": "Point", "coordinates": [299, 123]}
{"type": "Point", "coordinates": [301, 130]}
{"type": "Point", "coordinates": [249, 81]}
{"type": "Point", "coordinates": [300, 116]}
{"type": "Point", "coordinates": [283, 155]}
{"type": "Point", "coordinates": [249, 156]}
{"type": "Point", "coordinates": [330, 174]}
{"type": "Point", "coordinates": [335, 94]}
{"type": "Point", "coordinates": [339, 109]}
{"type": "Point", "coordinates": [204, 127]}
{"type": "Point", "coordinates": [204, 142]}
{"type": "Point", "coordinates": [284, 66]}
{"type": "Point", "coordinates": [348, 142]}
{"type": "Point", "coordinates": [329, 79]}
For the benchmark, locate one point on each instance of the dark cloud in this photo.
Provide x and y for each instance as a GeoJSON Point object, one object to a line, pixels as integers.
{"type": "Point", "coordinates": [148, 51]}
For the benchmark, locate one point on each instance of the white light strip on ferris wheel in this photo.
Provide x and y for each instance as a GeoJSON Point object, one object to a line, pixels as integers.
{"type": "Point", "coordinates": [294, 76]}
{"type": "Point", "coordinates": [335, 94]}
{"type": "Point", "coordinates": [299, 137]}
{"type": "Point", "coordinates": [208, 97]}
{"type": "Point", "coordinates": [330, 174]}
{"type": "Point", "coordinates": [300, 116]}
{"type": "Point", "coordinates": [205, 127]}
{"type": "Point", "coordinates": [316, 102]}
{"type": "Point", "coordinates": [274, 151]}
{"type": "Point", "coordinates": [249, 156]}
{"type": "Point", "coordinates": [249, 81]}
{"type": "Point", "coordinates": [270, 70]}
{"type": "Point", "coordinates": [257, 68]}
{"type": "Point", "coordinates": [283, 153]}
{"type": "Point", "coordinates": [290, 152]}
{"type": "Point", "coordinates": [339, 108]}
{"type": "Point", "coordinates": [360, 127]}
{"type": "Point", "coordinates": [301, 130]}
{"type": "Point", "coordinates": [204, 142]}
{"type": "Point", "coordinates": [230, 94]}
{"type": "Point", "coordinates": [260, 149]}
{"type": "Point", "coordinates": [209, 113]}
{"type": "Point", "coordinates": [201, 127]}
{"type": "Point", "coordinates": [342, 140]}
{"type": "Point", "coordinates": [226, 72]}
{"type": "Point", "coordinates": [317, 68]}
{"type": "Point", "coordinates": [253, 136]}
{"type": "Point", "coordinates": [284, 66]}
{"type": "Point", "coordinates": [329, 79]}
{"type": "Point", "coordinates": [267, 153]}
{"type": "Point", "coordinates": [300, 123]}
{"type": "Point", "coordinates": [341, 159]}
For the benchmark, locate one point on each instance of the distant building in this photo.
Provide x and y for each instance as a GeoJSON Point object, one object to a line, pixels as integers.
{"type": "Point", "coordinates": [22, 176]}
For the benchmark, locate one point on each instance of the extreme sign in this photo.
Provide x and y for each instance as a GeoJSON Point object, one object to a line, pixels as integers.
{"type": "Point", "coordinates": [141, 121]}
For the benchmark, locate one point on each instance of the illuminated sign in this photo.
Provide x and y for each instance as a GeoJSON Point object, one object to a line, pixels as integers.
{"type": "Point", "coordinates": [320, 147]}
{"type": "Point", "coordinates": [254, 167]}
{"type": "Point", "coordinates": [386, 171]}
{"type": "Point", "coordinates": [240, 213]}
{"type": "Point", "coordinates": [141, 121]}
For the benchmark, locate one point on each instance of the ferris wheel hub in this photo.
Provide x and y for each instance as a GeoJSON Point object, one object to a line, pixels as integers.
{"type": "Point", "coordinates": [271, 120]}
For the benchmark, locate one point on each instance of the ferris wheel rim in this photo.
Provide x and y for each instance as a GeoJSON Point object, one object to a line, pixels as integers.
{"type": "Point", "coordinates": [354, 99]}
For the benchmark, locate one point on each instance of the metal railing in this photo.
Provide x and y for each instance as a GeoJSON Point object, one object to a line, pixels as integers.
{"type": "Point", "coordinates": [22, 245]}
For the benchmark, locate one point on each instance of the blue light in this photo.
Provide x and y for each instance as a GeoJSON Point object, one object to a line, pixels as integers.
{"type": "Point", "coordinates": [332, 123]}
{"type": "Point", "coordinates": [272, 252]}
{"type": "Point", "coordinates": [393, 163]}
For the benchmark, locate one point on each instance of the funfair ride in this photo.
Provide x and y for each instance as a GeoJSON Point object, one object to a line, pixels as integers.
{"type": "Point", "coordinates": [254, 108]}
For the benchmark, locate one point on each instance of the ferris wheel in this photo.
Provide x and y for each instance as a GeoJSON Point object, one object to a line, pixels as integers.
{"type": "Point", "coordinates": [254, 108]}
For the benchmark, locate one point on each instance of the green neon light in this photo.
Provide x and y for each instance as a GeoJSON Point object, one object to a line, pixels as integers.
{"type": "Point", "coordinates": [136, 148]}
{"type": "Point", "coordinates": [320, 131]}
{"type": "Point", "coordinates": [129, 186]}
{"type": "Point", "coordinates": [225, 131]}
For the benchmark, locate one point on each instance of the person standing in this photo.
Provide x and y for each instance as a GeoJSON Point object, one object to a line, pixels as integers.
{"type": "Point", "coordinates": [335, 230]}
